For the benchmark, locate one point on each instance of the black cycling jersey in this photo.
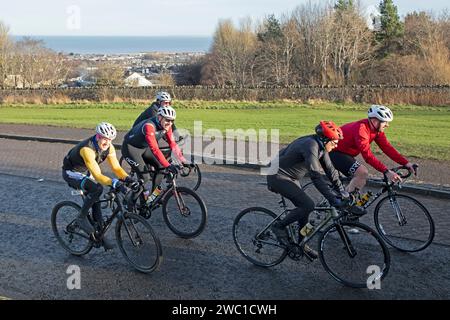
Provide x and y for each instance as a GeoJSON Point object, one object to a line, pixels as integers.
{"type": "Point", "coordinates": [307, 155]}
{"type": "Point", "coordinates": [73, 160]}
{"type": "Point", "coordinates": [136, 136]}
{"type": "Point", "coordinates": [150, 112]}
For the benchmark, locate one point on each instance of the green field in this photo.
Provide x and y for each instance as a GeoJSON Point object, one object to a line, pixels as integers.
{"type": "Point", "coordinates": [418, 131]}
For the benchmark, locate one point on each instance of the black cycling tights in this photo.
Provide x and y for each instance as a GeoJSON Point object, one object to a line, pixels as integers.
{"type": "Point", "coordinates": [291, 190]}
{"type": "Point", "coordinates": [139, 159]}
{"type": "Point", "coordinates": [92, 191]}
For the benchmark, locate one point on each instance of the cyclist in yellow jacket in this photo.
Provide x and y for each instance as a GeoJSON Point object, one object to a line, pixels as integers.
{"type": "Point", "coordinates": [81, 171]}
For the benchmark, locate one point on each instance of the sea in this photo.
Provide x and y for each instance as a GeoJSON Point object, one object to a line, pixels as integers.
{"type": "Point", "coordinates": [123, 44]}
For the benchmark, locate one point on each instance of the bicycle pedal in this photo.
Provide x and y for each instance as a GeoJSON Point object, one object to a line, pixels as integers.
{"type": "Point", "coordinates": [97, 244]}
{"type": "Point", "coordinates": [294, 252]}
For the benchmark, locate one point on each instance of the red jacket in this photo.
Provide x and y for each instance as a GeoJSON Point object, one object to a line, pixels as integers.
{"type": "Point", "coordinates": [359, 135]}
{"type": "Point", "coordinates": [149, 131]}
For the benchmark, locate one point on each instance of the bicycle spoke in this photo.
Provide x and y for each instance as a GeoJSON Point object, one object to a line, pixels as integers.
{"type": "Point", "coordinates": [184, 212]}
{"type": "Point", "coordinates": [138, 243]}
{"type": "Point", "coordinates": [66, 230]}
{"type": "Point", "coordinates": [348, 257]}
{"type": "Point", "coordinates": [253, 239]}
{"type": "Point", "coordinates": [404, 223]}
{"type": "Point", "coordinates": [129, 223]}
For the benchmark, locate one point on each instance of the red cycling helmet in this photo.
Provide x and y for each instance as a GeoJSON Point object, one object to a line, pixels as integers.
{"type": "Point", "coordinates": [329, 130]}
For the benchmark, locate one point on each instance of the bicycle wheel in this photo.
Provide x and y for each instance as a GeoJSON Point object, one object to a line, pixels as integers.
{"type": "Point", "coordinates": [138, 243]}
{"type": "Point", "coordinates": [184, 212]}
{"type": "Point", "coordinates": [354, 269]}
{"type": "Point", "coordinates": [190, 177]}
{"type": "Point", "coordinates": [404, 223]}
{"type": "Point", "coordinates": [263, 251]}
{"type": "Point", "coordinates": [67, 230]}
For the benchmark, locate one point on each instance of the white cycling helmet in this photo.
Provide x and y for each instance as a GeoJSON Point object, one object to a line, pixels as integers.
{"type": "Point", "coordinates": [382, 113]}
{"type": "Point", "coordinates": [106, 130]}
{"type": "Point", "coordinates": [163, 96]}
{"type": "Point", "coordinates": [167, 112]}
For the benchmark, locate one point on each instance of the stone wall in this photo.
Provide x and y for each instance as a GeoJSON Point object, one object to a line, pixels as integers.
{"type": "Point", "coordinates": [417, 95]}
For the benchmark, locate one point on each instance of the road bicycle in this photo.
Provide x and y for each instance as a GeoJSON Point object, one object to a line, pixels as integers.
{"type": "Point", "coordinates": [135, 237]}
{"type": "Point", "coordinates": [402, 221]}
{"type": "Point", "coordinates": [348, 257]}
{"type": "Point", "coordinates": [183, 210]}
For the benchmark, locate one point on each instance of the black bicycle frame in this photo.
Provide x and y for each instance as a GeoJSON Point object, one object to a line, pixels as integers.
{"type": "Point", "coordinates": [387, 187]}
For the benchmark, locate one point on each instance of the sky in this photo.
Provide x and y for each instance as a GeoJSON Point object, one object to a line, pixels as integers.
{"type": "Point", "coordinates": [153, 17]}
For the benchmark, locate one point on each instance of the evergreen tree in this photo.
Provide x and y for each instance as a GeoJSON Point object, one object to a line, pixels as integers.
{"type": "Point", "coordinates": [343, 5]}
{"type": "Point", "coordinates": [391, 26]}
{"type": "Point", "coordinates": [272, 30]}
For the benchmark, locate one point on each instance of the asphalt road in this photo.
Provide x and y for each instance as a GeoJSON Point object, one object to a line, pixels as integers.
{"type": "Point", "coordinates": [34, 266]}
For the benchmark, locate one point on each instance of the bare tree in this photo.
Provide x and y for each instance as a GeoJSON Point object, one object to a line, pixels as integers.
{"type": "Point", "coordinates": [313, 42]}
{"type": "Point", "coordinates": [6, 49]}
{"type": "Point", "coordinates": [352, 43]}
{"type": "Point", "coordinates": [108, 74]}
{"type": "Point", "coordinates": [276, 51]}
{"type": "Point", "coordinates": [165, 79]}
{"type": "Point", "coordinates": [29, 61]}
{"type": "Point", "coordinates": [430, 42]}
{"type": "Point", "coordinates": [232, 58]}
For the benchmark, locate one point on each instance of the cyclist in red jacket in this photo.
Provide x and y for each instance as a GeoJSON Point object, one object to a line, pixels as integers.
{"type": "Point", "coordinates": [357, 139]}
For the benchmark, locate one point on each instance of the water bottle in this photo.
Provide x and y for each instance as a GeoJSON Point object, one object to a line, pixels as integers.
{"type": "Point", "coordinates": [154, 194]}
{"type": "Point", "coordinates": [307, 229]}
{"type": "Point", "coordinates": [364, 198]}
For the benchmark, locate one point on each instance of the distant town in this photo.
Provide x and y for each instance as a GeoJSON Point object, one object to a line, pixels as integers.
{"type": "Point", "coordinates": [139, 69]}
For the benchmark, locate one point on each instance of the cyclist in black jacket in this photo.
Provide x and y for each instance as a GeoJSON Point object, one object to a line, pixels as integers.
{"type": "Point", "coordinates": [163, 99]}
{"type": "Point", "coordinates": [307, 154]}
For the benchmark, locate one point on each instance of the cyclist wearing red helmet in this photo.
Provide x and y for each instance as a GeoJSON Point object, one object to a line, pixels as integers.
{"type": "Point", "coordinates": [307, 154]}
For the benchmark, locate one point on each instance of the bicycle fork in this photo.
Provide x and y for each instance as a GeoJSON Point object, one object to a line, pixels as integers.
{"type": "Point", "coordinates": [136, 239]}
{"type": "Point", "coordinates": [398, 211]}
{"type": "Point", "coordinates": [180, 202]}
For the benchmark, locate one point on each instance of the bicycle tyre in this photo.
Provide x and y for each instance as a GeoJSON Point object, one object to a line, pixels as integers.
{"type": "Point", "coordinates": [85, 243]}
{"type": "Point", "coordinates": [191, 183]}
{"type": "Point", "coordinates": [169, 215]}
{"type": "Point", "coordinates": [331, 236]}
{"type": "Point", "coordinates": [423, 228]}
{"type": "Point", "coordinates": [241, 227]}
{"type": "Point", "coordinates": [155, 258]}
